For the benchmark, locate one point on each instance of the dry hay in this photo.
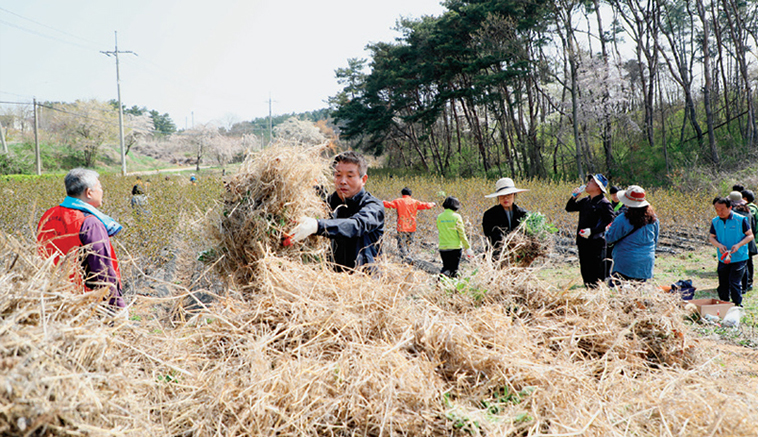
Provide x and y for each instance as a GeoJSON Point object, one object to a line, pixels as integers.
{"type": "Point", "coordinates": [521, 250]}
{"type": "Point", "coordinates": [322, 353]}
{"type": "Point", "coordinates": [530, 241]}
{"type": "Point", "coordinates": [263, 201]}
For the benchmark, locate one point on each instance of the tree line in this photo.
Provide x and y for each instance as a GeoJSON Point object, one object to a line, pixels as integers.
{"type": "Point", "coordinates": [638, 89]}
{"type": "Point", "coordinates": [84, 133]}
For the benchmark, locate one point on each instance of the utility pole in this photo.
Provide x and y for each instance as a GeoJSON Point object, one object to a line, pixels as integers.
{"type": "Point", "coordinates": [270, 123]}
{"type": "Point", "coordinates": [37, 156]}
{"type": "Point", "coordinates": [120, 107]}
{"type": "Point", "coordinates": [2, 138]}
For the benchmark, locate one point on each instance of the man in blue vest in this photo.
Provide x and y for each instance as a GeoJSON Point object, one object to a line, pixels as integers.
{"type": "Point", "coordinates": [730, 233]}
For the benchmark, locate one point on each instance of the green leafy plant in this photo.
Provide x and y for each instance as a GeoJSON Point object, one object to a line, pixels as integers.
{"type": "Point", "coordinates": [168, 378]}
{"type": "Point", "coordinates": [535, 224]}
{"type": "Point", "coordinates": [463, 285]}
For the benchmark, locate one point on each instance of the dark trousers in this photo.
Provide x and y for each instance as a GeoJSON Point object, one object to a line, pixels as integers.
{"type": "Point", "coordinates": [747, 280]}
{"type": "Point", "coordinates": [591, 264]}
{"type": "Point", "coordinates": [451, 259]}
{"type": "Point", "coordinates": [730, 281]}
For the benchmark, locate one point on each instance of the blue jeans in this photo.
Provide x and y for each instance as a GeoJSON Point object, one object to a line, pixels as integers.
{"type": "Point", "coordinates": [730, 281]}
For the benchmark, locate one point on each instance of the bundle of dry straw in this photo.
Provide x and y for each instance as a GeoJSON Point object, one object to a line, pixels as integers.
{"type": "Point", "coordinates": [531, 240]}
{"type": "Point", "coordinates": [271, 190]}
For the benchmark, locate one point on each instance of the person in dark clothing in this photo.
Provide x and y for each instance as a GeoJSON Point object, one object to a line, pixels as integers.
{"type": "Point", "coordinates": [139, 198]}
{"type": "Point", "coordinates": [357, 223]}
{"type": "Point", "coordinates": [740, 207]}
{"type": "Point", "coordinates": [504, 217]}
{"type": "Point", "coordinates": [618, 209]}
{"type": "Point", "coordinates": [595, 214]}
{"type": "Point", "coordinates": [749, 197]}
{"type": "Point", "coordinates": [616, 204]}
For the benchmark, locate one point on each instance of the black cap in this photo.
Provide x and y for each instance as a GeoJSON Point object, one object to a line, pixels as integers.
{"type": "Point", "coordinates": [748, 195]}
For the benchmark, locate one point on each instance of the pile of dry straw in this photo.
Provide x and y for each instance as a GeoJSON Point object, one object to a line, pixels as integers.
{"type": "Point", "coordinates": [263, 201]}
{"type": "Point", "coordinates": [313, 352]}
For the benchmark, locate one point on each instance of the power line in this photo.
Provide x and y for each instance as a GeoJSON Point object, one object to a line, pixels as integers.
{"type": "Point", "coordinates": [154, 69]}
{"type": "Point", "coordinates": [45, 36]}
{"type": "Point", "coordinates": [157, 70]}
{"type": "Point", "coordinates": [48, 27]}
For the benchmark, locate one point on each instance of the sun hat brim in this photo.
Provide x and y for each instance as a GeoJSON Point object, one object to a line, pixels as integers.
{"type": "Point", "coordinates": [631, 203]}
{"type": "Point", "coordinates": [598, 182]}
{"type": "Point", "coordinates": [506, 191]}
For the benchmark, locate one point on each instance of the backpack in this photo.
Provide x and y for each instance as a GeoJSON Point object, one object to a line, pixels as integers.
{"type": "Point", "coordinates": [753, 218]}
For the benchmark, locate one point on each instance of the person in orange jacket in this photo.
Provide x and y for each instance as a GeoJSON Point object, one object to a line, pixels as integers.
{"type": "Point", "coordinates": [407, 209]}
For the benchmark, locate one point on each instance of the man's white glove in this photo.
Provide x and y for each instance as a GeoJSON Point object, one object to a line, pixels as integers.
{"type": "Point", "coordinates": [305, 226]}
{"type": "Point", "coordinates": [469, 253]}
{"type": "Point", "coordinates": [585, 233]}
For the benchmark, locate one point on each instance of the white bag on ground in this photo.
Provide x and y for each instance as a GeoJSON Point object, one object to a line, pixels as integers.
{"type": "Point", "coordinates": [733, 317]}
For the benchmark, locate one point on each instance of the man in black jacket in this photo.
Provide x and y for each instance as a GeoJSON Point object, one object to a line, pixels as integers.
{"type": "Point", "coordinates": [357, 223]}
{"type": "Point", "coordinates": [504, 217]}
{"type": "Point", "coordinates": [595, 214]}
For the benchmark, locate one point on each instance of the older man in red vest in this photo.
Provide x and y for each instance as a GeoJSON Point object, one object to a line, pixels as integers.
{"type": "Point", "coordinates": [76, 229]}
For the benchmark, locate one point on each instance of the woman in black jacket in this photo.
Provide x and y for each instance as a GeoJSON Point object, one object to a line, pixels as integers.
{"type": "Point", "coordinates": [595, 214]}
{"type": "Point", "coordinates": [504, 217]}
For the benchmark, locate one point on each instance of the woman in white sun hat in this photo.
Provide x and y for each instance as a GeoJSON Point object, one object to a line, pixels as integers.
{"type": "Point", "coordinates": [635, 235]}
{"type": "Point", "coordinates": [504, 217]}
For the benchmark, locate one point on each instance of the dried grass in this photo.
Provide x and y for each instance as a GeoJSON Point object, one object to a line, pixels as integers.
{"type": "Point", "coordinates": [315, 352]}
{"type": "Point", "coordinates": [521, 250]}
{"type": "Point", "coordinates": [271, 190]}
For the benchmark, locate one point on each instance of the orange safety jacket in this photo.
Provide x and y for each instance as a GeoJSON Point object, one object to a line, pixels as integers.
{"type": "Point", "coordinates": [407, 208]}
{"type": "Point", "coordinates": [58, 236]}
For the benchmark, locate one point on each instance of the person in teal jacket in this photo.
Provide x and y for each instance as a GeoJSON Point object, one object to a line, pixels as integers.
{"type": "Point", "coordinates": [730, 233]}
{"type": "Point", "coordinates": [452, 235]}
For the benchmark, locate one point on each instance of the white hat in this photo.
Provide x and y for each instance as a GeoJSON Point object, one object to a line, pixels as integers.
{"type": "Point", "coordinates": [633, 197]}
{"type": "Point", "coordinates": [504, 187]}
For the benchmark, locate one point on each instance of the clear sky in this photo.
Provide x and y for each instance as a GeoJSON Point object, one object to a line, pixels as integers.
{"type": "Point", "coordinates": [220, 59]}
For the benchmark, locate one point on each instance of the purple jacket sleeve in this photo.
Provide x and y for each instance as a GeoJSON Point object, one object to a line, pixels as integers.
{"type": "Point", "coordinates": [99, 259]}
